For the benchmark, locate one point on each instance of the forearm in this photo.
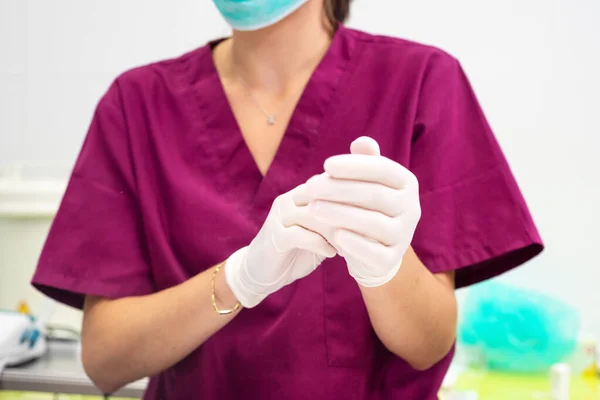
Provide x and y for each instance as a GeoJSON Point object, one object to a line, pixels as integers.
{"type": "Point", "coordinates": [127, 339]}
{"type": "Point", "coordinates": [415, 314]}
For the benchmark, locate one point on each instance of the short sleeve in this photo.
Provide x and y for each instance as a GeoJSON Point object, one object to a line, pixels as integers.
{"type": "Point", "coordinates": [474, 217]}
{"type": "Point", "coordinates": [96, 245]}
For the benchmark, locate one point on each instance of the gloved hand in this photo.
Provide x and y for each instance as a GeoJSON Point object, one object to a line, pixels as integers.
{"type": "Point", "coordinates": [374, 204]}
{"type": "Point", "coordinates": [285, 249]}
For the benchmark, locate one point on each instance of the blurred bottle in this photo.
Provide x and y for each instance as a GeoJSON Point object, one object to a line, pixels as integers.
{"type": "Point", "coordinates": [560, 382]}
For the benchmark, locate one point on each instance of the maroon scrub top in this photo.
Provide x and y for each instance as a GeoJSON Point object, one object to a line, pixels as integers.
{"type": "Point", "coordinates": [165, 187]}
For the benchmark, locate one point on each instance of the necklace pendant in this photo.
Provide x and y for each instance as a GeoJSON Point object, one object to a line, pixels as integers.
{"type": "Point", "coordinates": [271, 120]}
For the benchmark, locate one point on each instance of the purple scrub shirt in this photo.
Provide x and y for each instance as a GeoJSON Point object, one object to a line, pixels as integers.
{"type": "Point", "coordinates": [165, 187]}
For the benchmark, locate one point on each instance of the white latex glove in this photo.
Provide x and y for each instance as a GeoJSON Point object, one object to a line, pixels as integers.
{"type": "Point", "coordinates": [374, 204]}
{"type": "Point", "coordinates": [285, 249]}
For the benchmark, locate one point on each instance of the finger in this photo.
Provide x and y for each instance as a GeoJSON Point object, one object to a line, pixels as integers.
{"type": "Point", "coordinates": [305, 219]}
{"type": "Point", "coordinates": [377, 169]}
{"type": "Point", "coordinates": [296, 237]}
{"type": "Point", "coordinates": [299, 195]}
{"type": "Point", "coordinates": [365, 145]}
{"type": "Point", "coordinates": [291, 206]}
{"type": "Point", "coordinates": [373, 255]}
{"type": "Point", "coordinates": [371, 224]}
{"type": "Point", "coordinates": [289, 214]}
{"type": "Point", "coordinates": [368, 195]}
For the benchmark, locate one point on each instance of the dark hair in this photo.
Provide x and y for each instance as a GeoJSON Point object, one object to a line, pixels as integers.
{"type": "Point", "coordinates": [337, 11]}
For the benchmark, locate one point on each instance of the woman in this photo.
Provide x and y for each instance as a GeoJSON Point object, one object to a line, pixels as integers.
{"type": "Point", "coordinates": [230, 232]}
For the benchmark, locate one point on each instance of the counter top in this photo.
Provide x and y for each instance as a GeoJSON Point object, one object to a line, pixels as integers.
{"type": "Point", "coordinates": [501, 386]}
{"type": "Point", "coordinates": [60, 371]}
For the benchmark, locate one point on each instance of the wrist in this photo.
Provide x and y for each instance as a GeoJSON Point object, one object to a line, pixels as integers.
{"type": "Point", "coordinates": [223, 293]}
{"type": "Point", "coordinates": [236, 278]}
{"type": "Point", "coordinates": [376, 281]}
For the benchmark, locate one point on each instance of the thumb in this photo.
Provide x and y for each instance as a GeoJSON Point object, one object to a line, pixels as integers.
{"type": "Point", "coordinates": [366, 146]}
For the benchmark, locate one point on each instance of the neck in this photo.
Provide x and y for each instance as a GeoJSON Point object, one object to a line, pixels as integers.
{"type": "Point", "coordinates": [274, 58]}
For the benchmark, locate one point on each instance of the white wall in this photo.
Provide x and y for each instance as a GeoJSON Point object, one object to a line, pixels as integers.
{"type": "Point", "coordinates": [535, 65]}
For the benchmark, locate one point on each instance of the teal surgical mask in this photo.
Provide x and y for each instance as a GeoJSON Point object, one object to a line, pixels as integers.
{"type": "Point", "coordinates": [250, 15]}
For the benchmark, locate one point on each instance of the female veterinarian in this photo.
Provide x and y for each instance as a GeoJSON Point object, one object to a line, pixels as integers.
{"type": "Point", "coordinates": [284, 214]}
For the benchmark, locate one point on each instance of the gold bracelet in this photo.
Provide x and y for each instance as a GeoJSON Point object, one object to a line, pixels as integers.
{"type": "Point", "coordinates": [214, 297]}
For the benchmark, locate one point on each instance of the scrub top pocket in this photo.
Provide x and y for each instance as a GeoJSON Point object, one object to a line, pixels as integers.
{"type": "Point", "coordinates": [351, 341]}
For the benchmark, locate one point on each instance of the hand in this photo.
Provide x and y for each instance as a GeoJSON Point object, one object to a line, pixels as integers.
{"type": "Point", "coordinates": [373, 202]}
{"type": "Point", "coordinates": [285, 249]}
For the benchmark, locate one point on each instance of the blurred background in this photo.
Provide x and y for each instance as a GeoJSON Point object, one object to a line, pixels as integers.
{"type": "Point", "coordinates": [534, 64]}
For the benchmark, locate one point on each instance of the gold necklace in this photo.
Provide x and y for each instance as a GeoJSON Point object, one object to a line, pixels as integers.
{"type": "Point", "coordinates": [271, 117]}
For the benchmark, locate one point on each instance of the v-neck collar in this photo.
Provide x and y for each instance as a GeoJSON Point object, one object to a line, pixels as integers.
{"type": "Point", "coordinates": [229, 154]}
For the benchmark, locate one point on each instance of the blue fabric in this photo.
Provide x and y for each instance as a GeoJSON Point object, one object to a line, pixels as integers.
{"type": "Point", "coordinates": [516, 329]}
{"type": "Point", "coordinates": [248, 15]}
